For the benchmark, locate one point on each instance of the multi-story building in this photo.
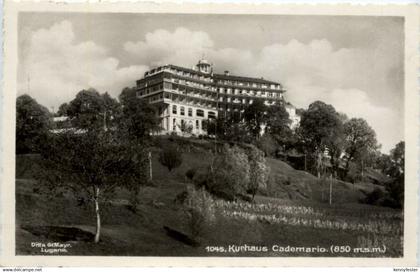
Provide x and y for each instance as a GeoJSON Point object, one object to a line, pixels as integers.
{"type": "Point", "coordinates": [186, 97]}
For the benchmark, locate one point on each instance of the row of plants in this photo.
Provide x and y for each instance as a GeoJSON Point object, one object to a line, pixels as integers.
{"type": "Point", "coordinates": [371, 226]}
{"type": "Point", "coordinates": [316, 211]}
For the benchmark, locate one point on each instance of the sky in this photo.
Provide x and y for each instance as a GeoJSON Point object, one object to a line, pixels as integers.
{"type": "Point", "coordinates": [355, 63]}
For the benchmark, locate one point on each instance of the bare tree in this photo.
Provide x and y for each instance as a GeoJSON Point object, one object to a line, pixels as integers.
{"type": "Point", "coordinates": [93, 165]}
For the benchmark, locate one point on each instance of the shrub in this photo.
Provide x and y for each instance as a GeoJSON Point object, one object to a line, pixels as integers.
{"type": "Point", "coordinates": [200, 209]}
{"type": "Point", "coordinates": [201, 178]}
{"type": "Point", "coordinates": [228, 174]}
{"type": "Point", "coordinates": [170, 157]}
{"type": "Point", "coordinates": [181, 197]}
{"type": "Point", "coordinates": [190, 173]}
{"type": "Point", "coordinates": [374, 197]}
{"type": "Point", "coordinates": [133, 200]}
{"type": "Point", "coordinates": [395, 190]}
{"type": "Point", "coordinates": [267, 144]}
{"type": "Point", "coordinates": [259, 171]}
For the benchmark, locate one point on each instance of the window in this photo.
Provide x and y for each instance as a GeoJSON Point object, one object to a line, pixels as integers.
{"type": "Point", "coordinates": [174, 124]}
{"type": "Point", "coordinates": [200, 113]}
{"type": "Point", "coordinates": [212, 114]}
{"type": "Point", "coordinates": [197, 124]}
{"type": "Point", "coordinates": [190, 112]}
{"type": "Point", "coordinates": [174, 109]}
{"type": "Point", "coordinates": [182, 111]}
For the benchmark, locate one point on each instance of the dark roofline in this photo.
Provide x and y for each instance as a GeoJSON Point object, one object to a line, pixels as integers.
{"type": "Point", "coordinates": [187, 70]}
{"type": "Point", "coordinates": [220, 76]}
{"type": "Point", "coordinates": [248, 79]}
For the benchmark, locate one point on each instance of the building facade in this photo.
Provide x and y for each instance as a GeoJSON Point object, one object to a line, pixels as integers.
{"type": "Point", "coordinates": [185, 97]}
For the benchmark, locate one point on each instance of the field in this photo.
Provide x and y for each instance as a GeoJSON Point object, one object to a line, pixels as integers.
{"type": "Point", "coordinates": [293, 220]}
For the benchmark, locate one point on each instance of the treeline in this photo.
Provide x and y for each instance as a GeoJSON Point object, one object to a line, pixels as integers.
{"type": "Point", "coordinates": [88, 111]}
{"type": "Point", "coordinates": [327, 142]}
{"type": "Point", "coordinates": [104, 147]}
{"type": "Point", "coordinates": [330, 142]}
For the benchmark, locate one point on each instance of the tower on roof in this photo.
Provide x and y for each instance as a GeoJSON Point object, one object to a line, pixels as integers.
{"type": "Point", "coordinates": [204, 66]}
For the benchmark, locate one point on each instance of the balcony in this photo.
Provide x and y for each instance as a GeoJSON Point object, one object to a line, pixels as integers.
{"type": "Point", "coordinates": [190, 85]}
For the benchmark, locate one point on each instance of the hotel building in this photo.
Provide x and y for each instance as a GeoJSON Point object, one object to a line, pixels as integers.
{"type": "Point", "coordinates": [186, 97]}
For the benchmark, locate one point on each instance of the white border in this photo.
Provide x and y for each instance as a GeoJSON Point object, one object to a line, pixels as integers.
{"type": "Point", "coordinates": [409, 12]}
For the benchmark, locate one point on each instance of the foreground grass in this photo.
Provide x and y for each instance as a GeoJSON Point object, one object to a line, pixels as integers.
{"type": "Point", "coordinates": [141, 233]}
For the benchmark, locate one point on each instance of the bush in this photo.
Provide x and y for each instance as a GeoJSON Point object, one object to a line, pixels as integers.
{"type": "Point", "coordinates": [228, 174]}
{"type": "Point", "coordinates": [200, 209]}
{"type": "Point", "coordinates": [374, 197]}
{"type": "Point", "coordinates": [170, 157]}
{"type": "Point", "coordinates": [201, 178]}
{"type": "Point", "coordinates": [190, 173]}
{"type": "Point", "coordinates": [267, 144]}
{"type": "Point", "coordinates": [395, 190]}
{"type": "Point", "coordinates": [233, 173]}
{"type": "Point", "coordinates": [259, 171]}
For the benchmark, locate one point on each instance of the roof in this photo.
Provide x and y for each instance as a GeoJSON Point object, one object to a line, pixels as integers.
{"type": "Point", "coordinates": [188, 70]}
{"type": "Point", "coordinates": [289, 105]}
{"type": "Point", "coordinates": [222, 76]}
{"type": "Point", "coordinates": [203, 61]}
{"type": "Point", "coordinates": [241, 78]}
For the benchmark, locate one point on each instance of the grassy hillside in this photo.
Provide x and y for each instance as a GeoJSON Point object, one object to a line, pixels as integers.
{"type": "Point", "coordinates": [292, 212]}
{"type": "Point", "coordinates": [285, 181]}
{"type": "Point", "coordinates": [300, 185]}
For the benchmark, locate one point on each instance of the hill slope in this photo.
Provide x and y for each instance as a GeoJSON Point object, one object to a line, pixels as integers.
{"type": "Point", "coordinates": [285, 181]}
{"type": "Point", "coordinates": [126, 232]}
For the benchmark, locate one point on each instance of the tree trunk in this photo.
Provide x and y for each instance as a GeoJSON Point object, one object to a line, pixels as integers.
{"type": "Point", "coordinates": [98, 216]}
{"type": "Point", "coordinates": [363, 172]}
{"type": "Point", "coordinates": [150, 167]}
{"type": "Point", "coordinates": [348, 165]}
{"type": "Point", "coordinates": [331, 180]}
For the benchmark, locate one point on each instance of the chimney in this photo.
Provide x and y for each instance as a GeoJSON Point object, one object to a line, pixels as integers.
{"type": "Point", "coordinates": [226, 72]}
